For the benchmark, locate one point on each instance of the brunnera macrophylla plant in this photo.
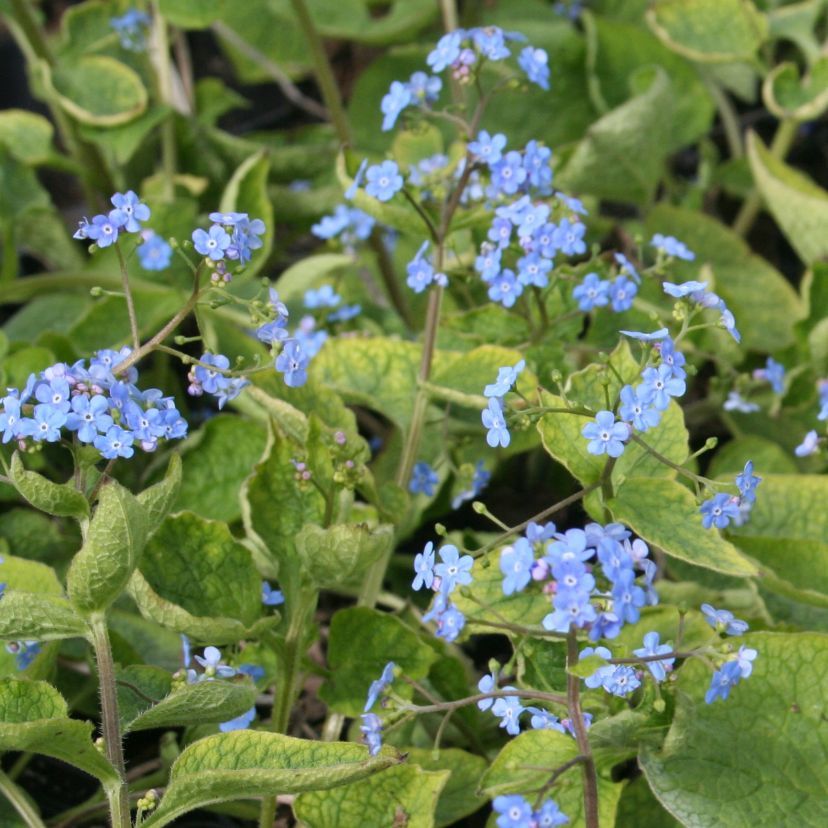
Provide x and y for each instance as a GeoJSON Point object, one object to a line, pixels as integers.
{"type": "Point", "coordinates": [231, 572]}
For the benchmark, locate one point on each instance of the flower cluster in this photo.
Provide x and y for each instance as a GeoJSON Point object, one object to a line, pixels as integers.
{"type": "Point", "coordinates": [126, 216]}
{"type": "Point", "coordinates": [209, 375]}
{"type": "Point", "coordinates": [371, 727]}
{"type": "Point", "coordinates": [720, 509]}
{"type": "Point", "coordinates": [493, 416]}
{"type": "Point", "coordinates": [453, 571]}
{"type": "Point", "coordinates": [231, 237]}
{"type": "Point", "coordinates": [131, 28]}
{"type": "Point", "coordinates": [738, 665]}
{"type": "Point", "coordinates": [24, 652]}
{"type": "Point", "coordinates": [350, 224]}
{"type": "Point", "coordinates": [811, 441]}
{"type": "Point", "coordinates": [697, 294]}
{"type": "Point", "coordinates": [96, 403]}
{"type": "Point", "coordinates": [515, 812]}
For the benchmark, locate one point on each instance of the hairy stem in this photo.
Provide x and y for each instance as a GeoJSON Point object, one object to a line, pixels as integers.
{"type": "Point", "coordinates": [19, 802]}
{"type": "Point", "coordinates": [130, 302]}
{"type": "Point", "coordinates": [110, 723]}
{"type": "Point", "coordinates": [576, 716]}
{"type": "Point", "coordinates": [443, 707]}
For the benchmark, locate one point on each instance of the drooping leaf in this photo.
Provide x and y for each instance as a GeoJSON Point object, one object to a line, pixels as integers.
{"type": "Point", "coordinates": [26, 135]}
{"type": "Point", "coordinates": [30, 616]}
{"type": "Point", "coordinates": [61, 499]}
{"type": "Point", "coordinates": [158, 499]}
{"type": "Point", "coordinates": [789, 96]}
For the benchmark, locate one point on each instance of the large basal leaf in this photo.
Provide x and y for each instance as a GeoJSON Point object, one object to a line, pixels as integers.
{"type": "Point", "coordinates": [666, 515]}
{"type": "Point", "coordinates": [787, 534]}
{"type": "Point", "coordinates": [762, 300]}
{"type": "Point", "coordinates": [402, 795]}
{"type": "Point", "coordinates": [207, 702]}
{"type": "Point", "coordinates": [26, 135]}
{"type": "Point", "coordinates": [61, 499]}
{"type": "Point", "coordinates": [114, 542]}
{"type": "Point", "coordinates": [709, 31]}
{"type": "Point", "coordinates": [799, 206]}
{"type": "Point", "coordinates": [34, 717]}
{"type": "Point", "coordinates": [362, 641]}
{"type": "Point", "coordinates": [244, 764]}
{"type": "Point", "coordinates": [757, 758]}
{"type": "Point", "coordinates": [527, 762]}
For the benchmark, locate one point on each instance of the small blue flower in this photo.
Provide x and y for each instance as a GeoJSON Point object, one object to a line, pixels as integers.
{"type": "Point", "coordinates": [488, 148]}
{"type": "Point", "coordinates": [774, 373]}
{"type": "Point", "coordinates": [809, 445]}
{"type": "Point", "coordinates": [384, 180]}
{"type": "Point", "coordinates": [240, 722]}
{"type": "Point", "coordinates": [544, 720]}
{"type": "Point", "coordinates": [638, 411]}
{"type": "Point", "coordinates": [500, 232]}
{"type": "Point", "coordinates": [605, 435]}
{"type": "Point", "coordinates": [480, 479]}
{"type": "Point", "coordinates": [378, 687]}
{"type": "Point", "coordinates": [550, 815]}
{"type": "Point", "coordinates": [535, 62]}
{"type": "Point", "coordinates": [155, 253]}
{"type": "Point", "coordinates": [508, 174]}
{"type": "Point", "coordinates": [536, 161]}
{"type": "Point", "coordinates": [115, 443]}
{"type": "Point", "coordinates": [454, 570]}
{"type": "Point", "coordinates": [569, 237]}
{"type": "Point", "coordinates": [131, 28]}
{"type": "Point", "coordinates": [371, 729]}
{"type": "Point", "coordinates": [424, 88]}
{"type": "Point", "coordinates": [487, 264]}
{"type": "Point", "coordinates": [293, 363]}
{"type": "Point", "coordinates": [622, 681]}
{"type": "Point", "coordinates": [745, 658]}
{"type": "Point", "coordinates": [506, 378]}
{"type": "Point", "coordinates": [516, 565]}
{"type": "Point", "coordinates": [89, 417]}
{"type": "Point", "coordinates": [747, 482]}
{"type": "Point", "coordinates": [212, 243]}
{"type": "Point", "coordinates": [508, 710]}
{"type": "Point", "coordinates": [672, 357]}
{"type": "Point", "coordinates": [672, 247]}
{"type": "Point", "coordinates": [24, 652]}
{"type": "Point", "coordinates": [271, 597]}
{"type": "Point", "coordinates": [593, 292]}
{"type": "Point", "coordinates": [213, 666]}
{"type": "Point", "coordinates": [736, 402]}
{"type": "Point", "coordinates": [103, 230]}
{"type": "Point", "coordinates": [423, 479]}
{"type": "Point", "coordinates": [487, 684]}
{"type": "Point", "coordinates": [723, 620]}
{"type": "Point", "coordinates": [571, 607]}
{"type": "Point", "coordinates": [493, 419]}
{"type": "Point", "coordinates": [491, 42]}
{"type": "Point", "coordinates": [397, 99]}
{"type": "Point", "coordinates": [719, 510]}
{"type": "Point", "coordinates": [505, 288]}
{"type": "Point", "coordinates": [684, 289]}
{"type": "Point", "coordinates": [445, 52]}
{"type": "Point", "coordinates": [627, 597]}
{"type": "Point", "coordinates": [130, 211]}
{"type": "Point", "coordinates": [424, 568]}
{"type": "Point", "coordinates": [661, 333]}
{"type": "Point", "coordinates": [514, 810]}
{"type": "Point", "coordinates": [659, 385]}
{"type": "Point", "coordinates": [325, 297]}
{"type": "Point", "coordinates": [621, 292]}
{"type": "Point", "coordinates": [723, 679]}
{"type": "Point", "coordinates": [653, 647]}
{"type": "Point", "coordinates": [420, 271]}
{"type": "Point", "coordinates": [626, 266]}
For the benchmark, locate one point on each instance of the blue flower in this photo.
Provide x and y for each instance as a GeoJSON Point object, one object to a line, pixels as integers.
{"type": "Point", "coordinates": [488, 148]}
{"type": "Point", "coordinates": [487, 264]}
{"type": "Point", "coordinates": [605, 435]}
{"type": "Point", "coordinates": [626, 266]}
{"type": "Point", "coordinates": [653, 647]}
{"type": "Point", "coordinates": [493, 419]}
{"type": "Point", "coordinates": [212, 380]}
{"type": "Point", "coordinates": [531, 219]}
{"type": "Point", "coordinates": [424, 88]}
{"type": "Point", "coordinates": [115, 443]}
{"type": "Point", "coordinates": [130, 211]}
{"type": "Point", "coordinates": [506, 378]}
{"type": "Point", "coordinates": [684, 289]}
{"type": "Point", "coordinates": [378, 687]}
{"type": "Point", "coordinates": [747, 482]}
{"type": "Point", "coordinates": [736, 402]}
{"type": "Point", "coordinates": [55, 394]}
{"type": "Point", "coordinates": [44, 426]}
{"type": "Point", "coordinates": [446, 51]}
{"type": "Point", "coordinates": [535, 62]}
{"type": "Point", "coordinates": [424, 568]}
{"type": "Point", "coordinates": [723, 620]}
{"type": "Point", "coordinates": [661, 333]}
{"type": "Point", "coordinates": [155, 253]}
{"type": "Point", "coordinates": [228, 219]}
{"type": "Point", "coordinates": [397, 99]}
{"type": "Point", "coordinates": [723, 679]}
{"type": "Point", "coordinates": [622, 681]}
{"type": "Point", "coordinates": [500, 232]}
{"type": "Point", "coordinates": [490, 41]}
{"type": "Point", "coordinates": [505, 288]}
{"type": "Point", "coordinates": [621, 292]}
{"type": "Point", "coordinates": [420, 271]}
{"type": "Point", "coordinates": [384, 180]}
{"type": "Point", "coordinates": [659, 385]}
{"type": "Point", "coordinates": [293, 363]}
{"type": "Point", "coordinates": [572, 545]}
{"type": "Point", "coordinates": [670, 356]}
{"type": "Point", "coordinates": [89, 416]}
{"type": "Point", "coordinates": [550, 815]}
{"type": "Point", "coordinates": [571, 607]}
{"type": "Point", "coordinates": [544, 720]}
{"type": "Point", "coordinates": [423, 479]}
{"type": "Point", "coordinates": [638, 411]}
{"type": "Point", "coordinates": [103, 230]}
{"type": "Point", "coordinates": [240, 722]}
{"type": "Point", "coordinates": [454, 570]}
{"type": "Point", "coordinates": [593, 292]}
{"type": "Point", "coordinates": [325, 297]}
{"type": "Point", "coordinates": [539, 532]}
{"type": "Point", "coordinates": [809, 445]}
{"type": "Point", "coordinates": [271, 597]}
{"type": "Point", "coordinates": [371, 729]}
{"type": "Point", "coordinates": [450, 621]}
{"type": "Point", "coordinates": [487, 684]}
{"type": "Point", "coordinates": [614, 558]}
{"type": "Point", "coordinates": [24, 652]}
{"type": "Point", "coordinates": [212, 243]}
{"type": "Point", "coordinates": [508, 710]}
{"type": "Point", "coordinates": [719, 510]}
{"type": "Point", "coordinates": [514, 810]}
{"type": "Point", "coordinates": [131, 27]}
{"type": "Point", "coordinates": [774, 373]}
{"type": "Point", "coordinates": [601, 673]}
{"type": "Point", "coordinates": [480, 479]}
{"type": "Point", "coordinates": [536, 161]}
{"type": "Point", "coordinates": [569, 237]}
{"type": "Point", "coordinates": [672, 247]}
{"type": "Point", "coordinates": [508, 174]}
{"type": "Point", "coordinates": [745, 658]}
{"type": "Point", "coordinates": [516, 565]}
{"type": "Point", "coordinates": [627, 597]}
{"type": "Point", "coordinates": [213, 665]}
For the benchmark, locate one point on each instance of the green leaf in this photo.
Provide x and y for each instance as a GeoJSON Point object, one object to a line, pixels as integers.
{"type": "Point", "coordinates": [459, 797]}
{"type": "Point", "coordinates": [61, 499]}
{"type": "Point", "coordinates": [26, 135]}
{"type": "Point", "coordinates": [666, 515]}
{"type": "Point", "coordinates": [639, 807]}
{"type": "Point", "coordinates": [20, 191]}
{"type": "Point", "coordinates": [787, 534]}
{"type": "Point", "coordinates": [709, 31]}
{"type": "Point", "coordinates": [516, 770]}
{"type": "Point", "coordinates": [98, 90]}
{"type": "Point", "coordinates": [402, 795]}
{"type": "Point", "coordinates": [30, 616]}
{"type": "Point", "coordinates": [216, 460]}
{"type": "Point", "coordinates": [352, 19]}
{"type": "Point", "coordinates": [246, 192]}
{"type": "Point", "coordinates": [797, 22]}
{"type": "Point", "coordinates": [789, 96]}
{"type": "Point", "coordinates": [191, 14]}
{"type": "Point", "coordinates": [123, 140]}
{"type": "Point", "coordinates": [158, 500]}
{"type": "Point", "coordinates": [114, 542]}
{"type": "Point", "coordinates": [245, 763]}
{"type": "Point", "coordinates": [308, 272]}
{"type": "Point", "coordinates": [762, 300]}
{"type": "Point", "coordinates": [756, 758]}
{"type": "Point", "coordinates": [340, 555]}
{"type": "Point", "coordinates": [35, 718]}
{"type": "Point", "coordinates": [622, 154]}
{"type": "Point", "coordinates": [199, 566]}
{"type": "Point", "coordinates": [207, 702]}
{"type": "Point", "coordinates": [28, 576]}
{"type": "Point", "coordinates": [289, 419]}
{"type": "Point", "coordinates": [137, 685]}
{"type": "Point", "coordinates": [766, 455]}
{"type": "Point", "coordinates": [799, 206]}
{"type": "Point", "coordinates": [362, 641]}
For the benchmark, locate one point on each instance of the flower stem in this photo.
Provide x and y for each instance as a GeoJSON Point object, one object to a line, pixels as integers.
{"type": "Point", "coordinates": [19, 802]}
{"type": "Point", "coordinates": [130, 302]}
{"type": "Point", "coordinates": [118, 795]}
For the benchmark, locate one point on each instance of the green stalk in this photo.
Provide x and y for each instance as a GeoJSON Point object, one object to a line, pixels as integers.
{"type": "Point", "coordinates": [20, 802]}
{"type": "Point", "coordinates": [118, 795]}
{"type": "Point", "coordinates": [169, 159]}
{"type": "Point", "coordinates": [130, 303]}
{"type": "Point", "coordinates": [9, 271]}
